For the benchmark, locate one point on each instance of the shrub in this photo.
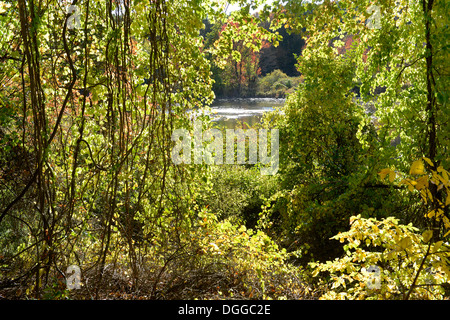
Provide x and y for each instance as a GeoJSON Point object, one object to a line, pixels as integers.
{"type": "Point", "coordinates": [254, 266]}
{"type": "Point", "coordinates": [238, 192]}
{"type": "Point", "coordinates": [409, 265]}
{"type": "Point", "coordinates": [276, 84]}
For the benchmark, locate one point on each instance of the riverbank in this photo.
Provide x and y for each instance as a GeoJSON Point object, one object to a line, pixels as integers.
{"type": "Point", "coordinates": [273, 85]}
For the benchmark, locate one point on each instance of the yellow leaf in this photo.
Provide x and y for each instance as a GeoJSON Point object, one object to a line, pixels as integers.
{"type": "Point", "coordinates": [410, 183]}
{"type": "Point", "coordinates": [404, 243]}
{"type": "Point", "coordinates": [438, 178]}
{"type": "Point", "coordinates": [426, 236]}
{"type": "Point", "coordinates": [391, 176]}
{"type": "Point", "coordinates": [422, 182]}
{"type": "Point", "coordinates": [446, 222]}
{"type": "Point", "coordinates": [437, 246]}
{"type": "Point", "coordinates": [383, 173]}
{"type": "Point", "coordinates": [445, 176]}
{"type": "Point", "coordinates": [391, 255]}
{"type": "Point", "coordinates": [417, 167]}
{"type": "Point", "coordinates": [431, 214]}
{"type": "Point", "coordinates": [428, 161]}
{"type": "Point", "coordinates": [424, 196]}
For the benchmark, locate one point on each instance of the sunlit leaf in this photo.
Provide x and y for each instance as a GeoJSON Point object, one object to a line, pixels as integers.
{"type": "Point", "coordinates": [392, 176]}
{"type": "Point", "coordinates": [383, 173]}
{"type": "Point", "coordinates": [417, 167]}
{"type": "Point", "coordinates": [404, 243]}
{"type": "Point", "coordinates": [428, 161]}
{"type": "Point", "coordinates": [4, 6]}
{"type": "Point", "coordinates": [437, 246]}
{"type": "Point", "coordinates": [422, 182]}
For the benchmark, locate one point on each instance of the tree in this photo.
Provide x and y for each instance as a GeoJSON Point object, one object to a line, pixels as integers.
{"type": "Point", "coordinates": [241, 70]}
{"type": "Point", "coordinates": [414, 102]}
{"type": "Point", "coordinates": [90, 94]}
{"type": "Point", "coordinates": [397, 51]}
{"type": "Point", "coordinates": [234, 47]}
{"type": "Point", "coordinates": [93, 105]}
{"type": "Point", "coordinates": [283, 56]}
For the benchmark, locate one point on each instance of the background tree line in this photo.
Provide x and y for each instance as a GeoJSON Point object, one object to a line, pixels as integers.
{"type": "Point", "coordinates": [244, 76]}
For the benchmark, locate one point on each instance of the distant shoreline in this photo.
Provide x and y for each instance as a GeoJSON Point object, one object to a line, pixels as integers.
{"type": "Point", "coordinates": [248, 98]}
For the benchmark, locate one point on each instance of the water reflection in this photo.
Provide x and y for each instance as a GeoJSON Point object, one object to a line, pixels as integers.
{"type": "Point", "coordinates": [238, 113]}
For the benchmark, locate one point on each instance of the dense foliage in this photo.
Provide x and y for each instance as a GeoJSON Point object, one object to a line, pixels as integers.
{"type": "Point", "coordinates": [91, 92]}
{"type": "Point", "coordinates": [268, 70]}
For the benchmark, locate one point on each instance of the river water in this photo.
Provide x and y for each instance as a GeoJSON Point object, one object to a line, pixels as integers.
{"type": "Point", "coordinates": [235, 113]}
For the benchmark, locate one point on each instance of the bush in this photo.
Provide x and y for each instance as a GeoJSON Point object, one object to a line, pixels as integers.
{"type": "Point", "coordinates": [409, 263]}
{"type": "Point", "coordinates": [406, 263]}
{"type": "Point", "coordinates": [276, 84]}
{"type": "Point", "coordinates": [238, 192]}
{"type": "Point", "coordinates": [249, 263]}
